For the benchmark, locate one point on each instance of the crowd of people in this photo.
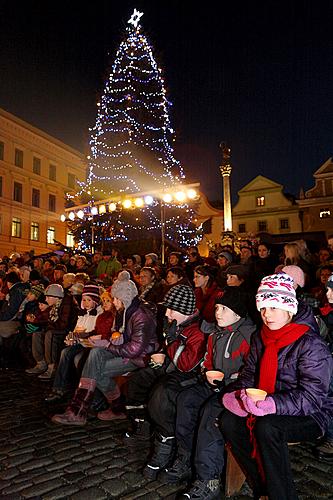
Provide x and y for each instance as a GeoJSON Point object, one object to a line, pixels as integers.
{"type": "Point", "coordinates": [231, 350]}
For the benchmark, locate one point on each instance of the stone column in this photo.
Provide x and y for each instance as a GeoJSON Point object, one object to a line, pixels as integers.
{"type": "Point", "coordinates": [226, 169]}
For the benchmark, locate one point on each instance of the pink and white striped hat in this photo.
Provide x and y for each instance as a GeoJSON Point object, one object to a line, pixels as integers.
{"type": "Point", "coordinates": [277, 290]}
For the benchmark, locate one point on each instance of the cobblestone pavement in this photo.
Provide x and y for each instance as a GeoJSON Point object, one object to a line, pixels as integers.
{"type": "Point", "coordinates": [41, 460]}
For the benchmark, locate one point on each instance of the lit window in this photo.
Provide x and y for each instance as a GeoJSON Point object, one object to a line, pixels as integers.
{"type": "Point", "coordinates": [50, 235]}
{"type": "Point", "coordinates": [324, 213]}
{"type": "Point", "coordinates": [19, 158]}
{"type": "Point", "coordinates": [241, 228]}
{"type": "Point", "coordinates": [70, 240]}
{"type": "Point", "coordinates": [260, 201]}
{"type": "Point", "coordinates": [284, 223]}
{"type": "Point", "coordinates": [16, 227]}
{"type": "Point", "coordinates": [262, 225]}
{"type": "Point", "coordinates": [34, 231]}
{"type": "Point", "coordinates": [36, 165]}
{"type": "Point", "coordinates": [17, 196]}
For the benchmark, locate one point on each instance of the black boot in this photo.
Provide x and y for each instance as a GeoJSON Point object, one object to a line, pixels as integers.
{"type": "Point", "coordinates": [141, 433]}
{"type": "Point", "coordinates": [162, 457]}
{"type": "Point", "coordinates": [180, 470]}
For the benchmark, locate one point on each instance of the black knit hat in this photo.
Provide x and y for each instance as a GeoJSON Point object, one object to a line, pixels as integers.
{"type": "Point", "coordinates": [180, 298]}
{"type": "Point", "coordinates": [234, 299]}
{"type": "Point", "coordinates": [238, 270]}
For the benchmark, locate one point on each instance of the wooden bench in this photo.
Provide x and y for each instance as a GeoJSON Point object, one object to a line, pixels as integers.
{"type": "Point", "coordinates": [234, 476]}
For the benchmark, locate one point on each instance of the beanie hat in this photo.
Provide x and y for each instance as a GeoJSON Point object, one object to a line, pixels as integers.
{"type": "Point", "coordinates": [180, 298]}
{"type": "Point", "coordinates": [92, 291]}
{"type": "Point", "coordinates": [227, 255]}
{"type": "Point", "coordinates": [329, 283]}
{"type": "Point", "coordinates": [37, 290]}
{"type": "Point", "coordinates": [238, 270]}
{"type": "Point", "coordinates": [296, 273]}
{"type": "Point", "coordinates": [234, 299]}
{"type": "Point", "coordinates": [277, 290]}
{"type": "Point", "coordinates": [124, 288]}
{"type": "Point", "coordinates": [55, 290]}
{"type": "Point", "coordinates": [76, 288]}
{"type": "Point", "coordinates": [153, 256]}
{"type": "Point", "coordinates": [106, 295]}
{"type": "Point", "coordinates": [34, 275]}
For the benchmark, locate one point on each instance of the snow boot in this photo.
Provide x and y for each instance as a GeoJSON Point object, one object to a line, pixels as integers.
{"type": "Point", "coordinates": [76, 412]}
{"type": "Point", "coordinates": [162, 457]}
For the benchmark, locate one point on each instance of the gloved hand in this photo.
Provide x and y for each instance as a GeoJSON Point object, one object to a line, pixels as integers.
{"type": "Point", "coordinates": [233, 403]}
{"type": "Point", "coordinates": [260, 408]}
{"type": "Point", "coordinates": [170, 330]}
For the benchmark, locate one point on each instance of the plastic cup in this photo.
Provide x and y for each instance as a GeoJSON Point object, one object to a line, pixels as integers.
{"type": "Point", "coordinates": [256, 394]}
{"type": "Point", "coordinates": [214, 376]}
{"type": "Point", "coordinates": [158, 358]}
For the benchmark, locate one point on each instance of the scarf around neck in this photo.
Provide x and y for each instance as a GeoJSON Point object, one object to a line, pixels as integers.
{"type": "Point", "coordinates": [273, 341]}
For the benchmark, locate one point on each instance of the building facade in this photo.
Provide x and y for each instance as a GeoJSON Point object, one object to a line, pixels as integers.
{"type": "Point", "coordinates": [36, 170]}
{"type": "Point", "coordinates": [316, 204]}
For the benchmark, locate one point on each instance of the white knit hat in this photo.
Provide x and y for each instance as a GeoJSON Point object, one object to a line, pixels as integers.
{"type": "Point", "coordinates": [277, 290]}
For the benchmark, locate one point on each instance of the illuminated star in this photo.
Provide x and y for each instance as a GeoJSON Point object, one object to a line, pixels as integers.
{"type": "Point", "coordinates": [135, 18]}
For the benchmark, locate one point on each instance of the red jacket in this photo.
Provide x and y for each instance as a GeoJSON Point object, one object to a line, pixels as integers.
{"type": "Point", "coordinates": [206, 302]}
{"type": "Point", "coordinates": [188, 350]}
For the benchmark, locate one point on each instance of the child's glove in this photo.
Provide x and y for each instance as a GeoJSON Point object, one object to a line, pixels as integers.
{"type": "Point", "coordinates": [233, 403]}
{"type": "Point", "coordinates": [260, 408]}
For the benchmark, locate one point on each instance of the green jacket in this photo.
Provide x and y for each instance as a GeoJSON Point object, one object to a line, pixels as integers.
{"type": "Point", "coordinates": [110, 267]}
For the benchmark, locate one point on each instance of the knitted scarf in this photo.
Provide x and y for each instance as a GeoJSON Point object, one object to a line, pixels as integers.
{"type": "Point", "coordinates": [54, 311]}
{"type": "Point", "coordinates": [273, 341]}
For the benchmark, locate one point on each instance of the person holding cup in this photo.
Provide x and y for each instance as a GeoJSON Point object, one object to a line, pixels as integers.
{"type": "Point", "coordinates": [292, 364]}
{"type": "Point", "coordinates": [200, 405]}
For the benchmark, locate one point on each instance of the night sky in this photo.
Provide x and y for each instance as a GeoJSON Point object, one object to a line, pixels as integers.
{"type": "Point", "coordinates": [258, 75]}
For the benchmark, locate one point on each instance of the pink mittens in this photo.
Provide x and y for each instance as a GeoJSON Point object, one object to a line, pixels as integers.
{"type": "Point", "coordinates": [233, 403]}
{"type": "Point", "coordinates": [260, 408]}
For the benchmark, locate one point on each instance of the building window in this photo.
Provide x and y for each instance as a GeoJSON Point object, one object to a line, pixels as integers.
{"type": "Point", "coordinates": [52, 172]}
{"type": "Point", "coordinates": [19, 158]}
{"type": "Point", "coordinates": [35, 199]}
{"type": "Point", "coordinates": [260, 201]}
{"type": "Point", "coordinates": [284, 223]}
{"type": "Point", "coordinates": [70, 240]}
{"type": "Point", "coordinates": [50, 235]}
{"type": "Point", "coordinates": [2, 150]}
{"type": "Point", "coordinates": [36, 165]}
{"type": "Point", "coordinates": [324, 213]}
{"type": "Point", "coordinates": [0, 186]}
{"type": "Point", "coordinates": [16, 227]}
{"type": "Point", "coordinates": [52, 203]}
{"type": "Point", "coordinates": [71, 181]}
{"type": "Point", "coordinates": [262, 225]}
{"type": "Point", "coordinates": [34, 231]}
{"type": "Point", "coordinates": [17, 196]}
{"type": "Point", "coordinates": [241, 228]}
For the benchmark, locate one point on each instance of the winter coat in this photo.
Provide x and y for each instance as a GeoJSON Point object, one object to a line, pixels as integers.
{"type": "Point", "coordinates": [109, 267]}
{"type": "Point", "coordinates": [67, 315]}
{"type": "Point", "coordinates": [140, 334]}
{"type": "Point", "coordinates": [188, 349]}
{"type": "Point", "coordinates": [303, 376]}
{"type": "Point", "coordinates": [11, 305]}
{"type": "Point", "coordinates": [104, 323]}
{"type": "Point", "coordinates": [228, 348]}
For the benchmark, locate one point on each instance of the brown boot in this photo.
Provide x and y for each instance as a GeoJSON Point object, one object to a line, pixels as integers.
{"type": "Point", "coordinates": [76, 412]}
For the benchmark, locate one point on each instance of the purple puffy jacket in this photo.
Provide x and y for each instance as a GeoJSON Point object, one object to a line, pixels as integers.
{"type": "Point", "coordinates": [303, 376]}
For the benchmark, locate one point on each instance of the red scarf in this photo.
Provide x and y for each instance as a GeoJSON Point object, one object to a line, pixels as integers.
{"type": "Point", "coordinates": [273, 341]}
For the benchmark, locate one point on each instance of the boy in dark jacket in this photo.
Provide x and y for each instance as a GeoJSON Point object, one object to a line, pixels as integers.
{"type": "Point", "coordinates": [199, 406]}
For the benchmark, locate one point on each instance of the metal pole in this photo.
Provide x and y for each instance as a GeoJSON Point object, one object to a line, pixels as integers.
{"type": "Point", "coordinates": [92, 236]}
{"type": "Point", "coordinates": [163, 232]}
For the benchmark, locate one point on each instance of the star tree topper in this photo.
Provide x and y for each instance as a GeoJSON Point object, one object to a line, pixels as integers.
{"type": "Point", "coordinates": [135, 18]}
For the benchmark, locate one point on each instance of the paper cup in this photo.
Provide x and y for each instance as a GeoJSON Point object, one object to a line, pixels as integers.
{"type": "Point", "coordinates": [256, 394]}
{"type": "Point", "coordinates": [214, 376]}
{"type": "Point", "coordinates": [158, 357]}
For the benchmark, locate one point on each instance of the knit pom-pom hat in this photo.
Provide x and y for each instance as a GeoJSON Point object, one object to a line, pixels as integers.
{"type": "Point", "coordinates": [277, 290]}
{"type": "Point", "coordinates": [124, 289]}
{"type": "Point", "coordinates": [92, 291]}
{"type": "Point", "coordinates": [181, 298]}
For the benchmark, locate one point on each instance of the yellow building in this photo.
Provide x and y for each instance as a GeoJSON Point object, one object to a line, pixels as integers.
{"type": "Point", "coordinates": [36, 170]}
{"type": "Point", "coordinates": [263, 207]}
{"type": "Point", "coordinates": [316, 205]}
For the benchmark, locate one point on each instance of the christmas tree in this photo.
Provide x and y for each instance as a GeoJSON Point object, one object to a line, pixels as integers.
{"type": "Point", "coordinates": [131, 153]}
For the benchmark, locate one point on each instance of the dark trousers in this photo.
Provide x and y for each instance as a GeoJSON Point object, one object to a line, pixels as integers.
{"type": "Point", "coordinates": [197, 411]}
{"type": "Point", "coordinates": [140, 384]}
{"type": "Point", "coordinates": [272, 433]}
{"type": "Point", "coordinates": [65, 374]}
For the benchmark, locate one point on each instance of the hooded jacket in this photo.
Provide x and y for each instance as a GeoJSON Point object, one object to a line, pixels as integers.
{"type": "Point", "coordinates": [228, 348]}
{"type": "Point", "coordinates": [10, 306]}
